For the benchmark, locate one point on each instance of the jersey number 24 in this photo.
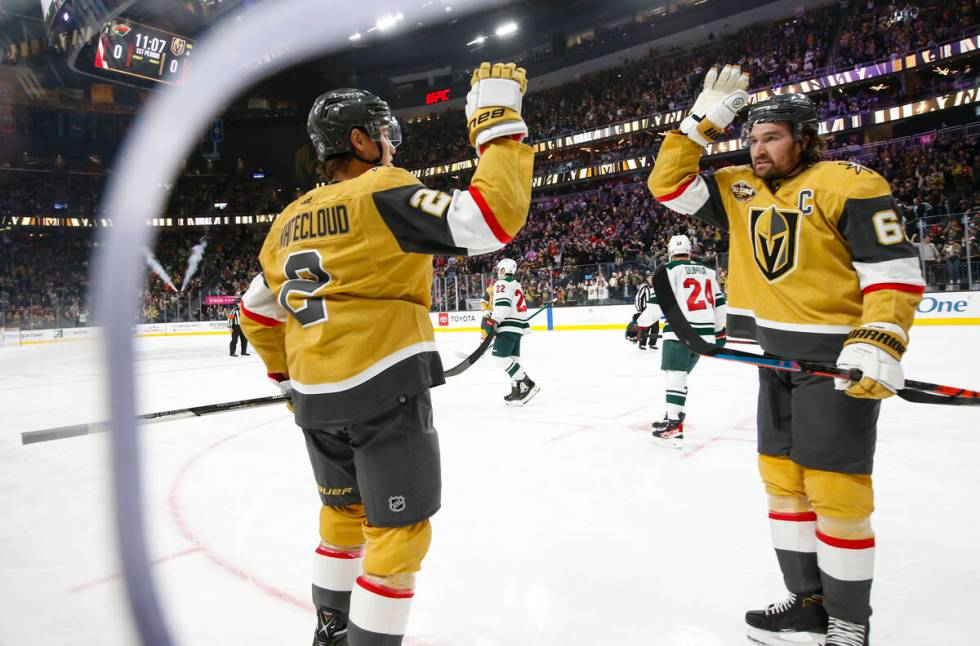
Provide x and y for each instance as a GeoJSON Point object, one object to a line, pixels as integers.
{"type": "Point", "coordinates": [694, 300]}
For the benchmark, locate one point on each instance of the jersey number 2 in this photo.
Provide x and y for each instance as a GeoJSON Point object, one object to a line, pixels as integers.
{"type": "Point", "coordinates": [694, 302]}
{"type": "Point", "coordinates": [521, 305]}
{"type": "Point", "coordinates": [306, 276]}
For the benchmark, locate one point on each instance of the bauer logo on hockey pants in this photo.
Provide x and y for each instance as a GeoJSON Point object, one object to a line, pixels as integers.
{"type": "Point", "coordinates": [396, 503]}
{"type": "Point", "coordinates": [775, 236]}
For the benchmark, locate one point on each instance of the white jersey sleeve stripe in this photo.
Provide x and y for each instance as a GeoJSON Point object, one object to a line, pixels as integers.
{"type": "Point", "coordinates": [469, 227]}
{"type": "Point", "coordinates": [689, 198]}
{"type": "Point", "coordinates": [904, 271]}
{"type": "Point", "coordinates": [261, 305]}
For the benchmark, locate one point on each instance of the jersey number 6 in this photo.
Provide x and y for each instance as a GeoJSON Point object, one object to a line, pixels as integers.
{"type": "Point", "coordinates": [306, 275]}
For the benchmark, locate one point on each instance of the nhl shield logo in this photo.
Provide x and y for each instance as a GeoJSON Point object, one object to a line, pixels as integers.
{"type": "Point", "coordinates": [396, 503]}
{"type": "Point", "coordinates": [775, 240]}
{"type": "Point", "coordinates": [178, 46]}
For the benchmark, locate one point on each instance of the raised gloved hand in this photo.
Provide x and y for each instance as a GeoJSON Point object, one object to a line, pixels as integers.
{"type": "Point", "coordinates": [285, 386]}
{"type": "Point", "coordinates": [724, 94]}
{"type": "Point", "coordinates": [493, 104]}
{"type": "Point", "coordinates": [876, 350]}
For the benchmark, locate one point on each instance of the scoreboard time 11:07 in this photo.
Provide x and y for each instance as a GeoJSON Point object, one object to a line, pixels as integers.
{"type": "Point", "coordinates": [143, 51]}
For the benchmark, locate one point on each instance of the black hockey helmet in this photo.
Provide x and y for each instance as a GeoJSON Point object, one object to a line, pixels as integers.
{"type": "Point", "coordinates": [337, 112]}
{"type": "Point", "coordinates": [794, 108]}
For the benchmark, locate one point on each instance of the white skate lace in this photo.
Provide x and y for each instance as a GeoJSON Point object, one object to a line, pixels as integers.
{"type": "Point", "coordinates": [782, 606]}
{"type": "Point", "coordinates": [844, 633]}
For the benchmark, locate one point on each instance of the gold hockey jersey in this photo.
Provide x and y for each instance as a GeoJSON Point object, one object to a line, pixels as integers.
{"type": "Point", "coordinates": [810, 257]}
{"type": "Point", "coordinates": [486, 302]}
{"type": "Point", "coordinates": [342, 303]}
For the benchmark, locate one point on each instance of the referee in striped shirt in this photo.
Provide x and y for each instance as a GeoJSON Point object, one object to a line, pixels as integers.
{"type": "Point", "coordinates": [649, 329]}
{"type": "Point", "coordinates": [234, 322]}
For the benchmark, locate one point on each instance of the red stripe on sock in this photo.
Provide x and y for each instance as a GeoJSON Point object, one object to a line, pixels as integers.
{"type": "Point", "coordinates": [795, 517]}
{"type": "Point", "coordinates": [489, 217]}
{"type": "Point", "coordinates": [339, 554]}
{"type": "Point", "coordinates": [847, 544]}
{"type": "Point", "coordinates": [898, 287]}
{"type": "Point", "coordinates": [383, 590]}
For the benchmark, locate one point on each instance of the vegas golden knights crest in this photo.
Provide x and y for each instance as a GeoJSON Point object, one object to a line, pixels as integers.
{"type": "Point", "coordinates": [775, 240]}
{"type": "Point", "coordinates": [177, 46]}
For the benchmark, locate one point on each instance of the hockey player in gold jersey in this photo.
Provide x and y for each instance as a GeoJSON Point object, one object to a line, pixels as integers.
{"type": "Point", "coordinates": [340, 317]}
{"type": "Point", "coordinates": [486, 312]}
{"type": "Point", "coordinates": [819, 269]}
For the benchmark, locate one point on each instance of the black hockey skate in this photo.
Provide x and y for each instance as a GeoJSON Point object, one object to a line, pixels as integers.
{"type": "Point", "coordinates": [844, 633]}
{"type": "Point", "coordinates": [331, 628]}
{"type": "Point", "coordinates": [522, 392]}
{"type": "Point", "coordinates": [798, 619]}
{"type": "Point", "coordinates": [669, 432]}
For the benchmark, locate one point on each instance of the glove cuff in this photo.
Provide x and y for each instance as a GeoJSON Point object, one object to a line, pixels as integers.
{"type": "Point", "coordinates": [490, 123]}
{"type": "Point", "coordinates": [701, 130]}
{"type": "Point", "coordinates": [886, 340]}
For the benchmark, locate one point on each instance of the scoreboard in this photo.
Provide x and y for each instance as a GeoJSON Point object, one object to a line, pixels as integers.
{"type": "Point", "coordinates": [130, 48]}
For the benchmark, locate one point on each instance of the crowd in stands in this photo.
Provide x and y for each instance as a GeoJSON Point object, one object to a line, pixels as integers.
{"type": "Point", "coordinates": [591, 245]}
{"type": "Point", "coordinates": [774, 54]}
{"type": "Point", "coordinates": [588, 246]}
{"type": "Point", "coordinates": [875, 29]}
{"type": "Point", "coordinates": [936, 181]}
{"type": "Point", "coordinates": [659, 83]}
{"type": "Point", "coordinates": [78, 194]}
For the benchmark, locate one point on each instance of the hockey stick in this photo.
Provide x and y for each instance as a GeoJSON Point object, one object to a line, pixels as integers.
{"type": "Point", "coordinates": [915, 391]}
{"type": "Point", "coordinates": [62, 432]}
{"type": "Point", "coordinates": [77, 430]}
{"type": "Point", "coordinates": [472, 358]}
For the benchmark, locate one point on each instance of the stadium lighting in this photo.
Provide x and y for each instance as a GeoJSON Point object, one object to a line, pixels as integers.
{"type": "Point", "coordinates": [355, 36]}
{"type": "Point", "coordinates": [506, 29]}
{"type": "Point", "coordinates": [479, 40]}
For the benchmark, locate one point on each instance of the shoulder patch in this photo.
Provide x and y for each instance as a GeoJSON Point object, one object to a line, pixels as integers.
{"type": "Point", "coordinates": [742, 191]}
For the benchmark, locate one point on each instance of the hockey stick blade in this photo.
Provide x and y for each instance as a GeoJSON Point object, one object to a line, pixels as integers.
{"type": "Point", "coordinates": [461, 367]}
{"type": "Point", "coordinates": [76, 430]}
{"type": "Point", "coordinates": [919, 392]}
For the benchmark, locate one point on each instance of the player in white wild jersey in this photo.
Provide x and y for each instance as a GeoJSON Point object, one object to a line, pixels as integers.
{"type": "Point", "coordinates": [509, 318]}
{"type": "Point", "coordinates": [700, 297]}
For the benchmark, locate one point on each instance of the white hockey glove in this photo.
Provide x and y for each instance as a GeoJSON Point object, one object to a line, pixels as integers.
{"type": "Point", "coordinates": [724, 94]}
{"type": "Point", "coordinates": [876, 350]}
{"type": "Point", "coordinates": [493, 104]}
{"type": "Point", "coordinates": [284, 385]}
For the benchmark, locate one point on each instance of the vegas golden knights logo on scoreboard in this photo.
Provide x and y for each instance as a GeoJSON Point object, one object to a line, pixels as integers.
{"type": "Point", "coordinates": [177, 46]}
{"type": "Point", "coordinates": [775, 240]}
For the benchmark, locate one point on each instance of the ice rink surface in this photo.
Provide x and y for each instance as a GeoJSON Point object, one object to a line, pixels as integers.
{"type": "Point", "coordinates": [562, 523]}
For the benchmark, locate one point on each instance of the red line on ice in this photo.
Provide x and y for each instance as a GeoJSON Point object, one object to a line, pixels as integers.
{"type": "Point", "coordinates": [173, 503]}
{"type": "Point", "coordinates": [118, 575]}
